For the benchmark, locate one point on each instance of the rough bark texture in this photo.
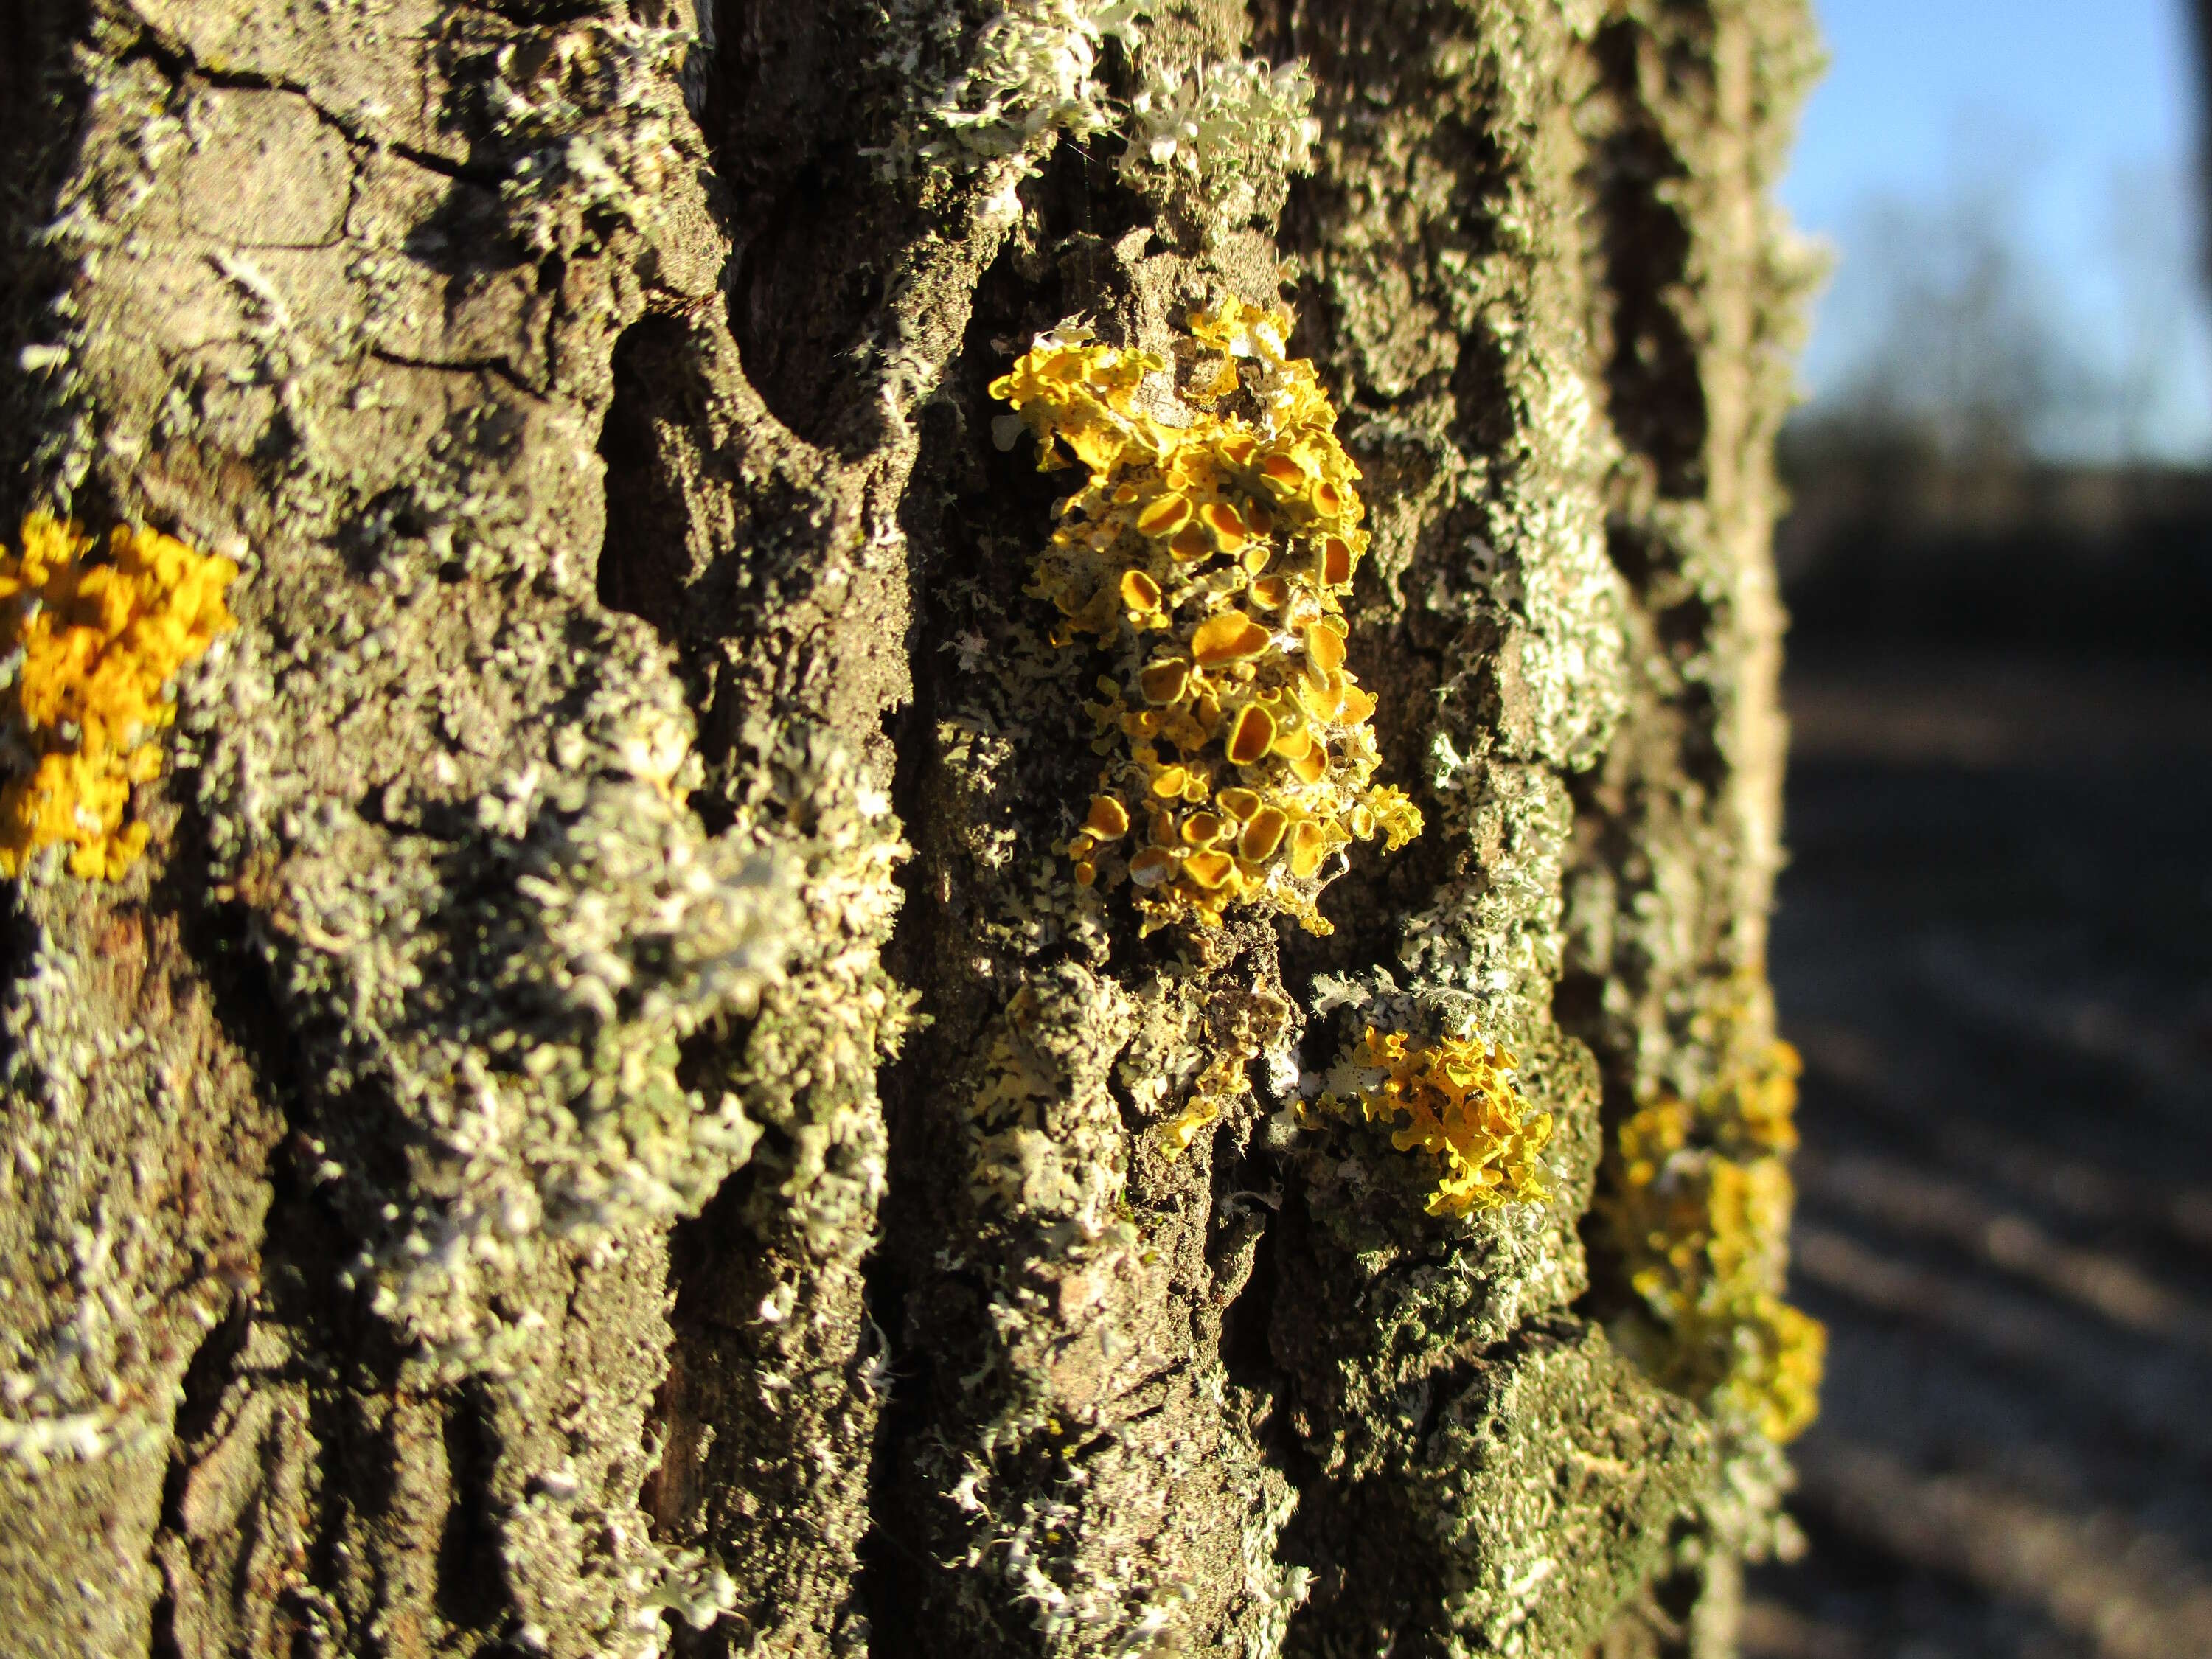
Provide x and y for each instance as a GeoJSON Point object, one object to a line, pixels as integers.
{"type": "Point", "coordinates": [521, 1166]}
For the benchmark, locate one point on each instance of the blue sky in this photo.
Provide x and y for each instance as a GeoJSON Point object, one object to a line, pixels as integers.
{"type": "Point", "coordinates": [2076, 118]}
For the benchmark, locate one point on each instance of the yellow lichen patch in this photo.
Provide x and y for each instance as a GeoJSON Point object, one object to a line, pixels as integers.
{"type": "Point", "coordinates": [1454, 1099]}
{"type": "Point", "coordinates": [1208, 556]}
{"type": "Point", "coordinates": [1764, 1100]}
{"type": "Point", "coordinates": [1222, 1082]}
{"type": "Point", "coordinates": [96, 637]}
{"type": "Point", "coordinates": [1699, 1206]}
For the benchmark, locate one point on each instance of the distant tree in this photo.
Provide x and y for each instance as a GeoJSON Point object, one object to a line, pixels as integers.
{"type": "Point", "coordinates": [1960, 346]}
{"type": "Point", "coordinates": [2200, 13]}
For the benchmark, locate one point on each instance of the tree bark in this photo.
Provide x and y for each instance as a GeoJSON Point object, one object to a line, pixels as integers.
{"type": "Point", "coordinates": [523, 1164]}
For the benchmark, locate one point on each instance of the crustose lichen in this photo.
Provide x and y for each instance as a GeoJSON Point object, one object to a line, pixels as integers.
{"type": "Point", "coordinates": [1454, 1099]}
{"type": "Point", "coordinates": [1208, 554]}
{"type": "Point", "coordinates": [94, 640]}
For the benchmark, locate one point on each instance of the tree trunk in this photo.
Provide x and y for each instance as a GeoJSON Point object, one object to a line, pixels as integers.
{"type": "Point", "coordinates": [603, 1120]}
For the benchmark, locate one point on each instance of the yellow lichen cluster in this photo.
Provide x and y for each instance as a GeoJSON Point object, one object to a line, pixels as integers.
{"type": "Point", "coordinates": [1457, 1103]}
{"type": "Point", "coordinates": [1220, 1084]}
{"type": "Point", "coordinates": [1208, 552]}
{"type": "Point", "coordinates": [94, 640]}
{"type": "Point", "coordinates": [1699, 1207]}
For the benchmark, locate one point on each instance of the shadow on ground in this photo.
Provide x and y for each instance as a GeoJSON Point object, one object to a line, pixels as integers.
{"type": "Point", "coordinates": [1994, 947]}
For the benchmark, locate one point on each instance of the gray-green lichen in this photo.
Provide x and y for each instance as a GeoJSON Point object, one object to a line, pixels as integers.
{"type": "Point", "coordinates": [1545, 1486]}
{"type": "Point", "coordinates": [441, 791]}
{"type": "Point", "coordinates": [71, 1387]}
{"type": "Point", "coordinates": [520, 997]}
{"type": "Point", "coordinates": [1101, 1528]}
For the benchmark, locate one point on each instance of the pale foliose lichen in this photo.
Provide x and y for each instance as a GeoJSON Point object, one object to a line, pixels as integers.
{"type": "Point", "coordinates": [94, 640]}
{"type": "Point", "coordinates": [1208, 554]}
{"type": "Point", "coordinates": [809, 1062]}
{"type": "Point", "coordinates": [1699, 1202]}
{"type": "Point", "coordinates": [1053, 1480]}
{"type": "Point", "coordinates": [1234, 1029]}
{"type": "Point", "coordinates": [1001, 95]}
{"type": "Point", "coordinates": [1232, 129]}
{"type": "Point", "coordinates": [628, 931]}
{"type": "Point", "coordinates": [578, 170]}
{"type": "Point", "coordinates": [1032, 73]}
{"type": "Point", "coordinates": [1226, 134]}
{"type": "Point", "coordinates": [61, 1387]}
{"type": "Point", "coordinates": [1277, 1587]}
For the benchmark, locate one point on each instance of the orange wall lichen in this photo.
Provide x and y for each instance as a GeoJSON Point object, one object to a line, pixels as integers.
{"type": "Point", "coordinates": [94, 640]}
{"type": "Point", "coordinates": [1700, 1208]}
{"type": "Point", "coordinates": [1458, 1105]}
{"type": "Point", "coordinates": [1208, 554]}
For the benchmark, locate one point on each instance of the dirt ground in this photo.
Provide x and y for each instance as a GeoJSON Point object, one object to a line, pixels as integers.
{"type": "Point", "coordinates": [1994, 947]}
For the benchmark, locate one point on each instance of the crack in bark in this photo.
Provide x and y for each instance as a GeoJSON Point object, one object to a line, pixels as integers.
{"type": "Point", "coordinates": [176, 64]}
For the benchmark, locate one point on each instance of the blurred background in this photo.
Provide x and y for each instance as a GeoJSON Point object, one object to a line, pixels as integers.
{"type": "Point", "coordinates": [1994, 942]}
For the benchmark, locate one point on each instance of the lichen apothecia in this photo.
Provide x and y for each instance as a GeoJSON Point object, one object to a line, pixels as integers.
{"type": "Point", "coordinates": [94, 640]}
{"type": "Point", "coordinates": [1454, 1099]}
{"type": "Point", "coordinates": [1207, 555]}
{"type": "Point", "coordinates": [1698, 1208]}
